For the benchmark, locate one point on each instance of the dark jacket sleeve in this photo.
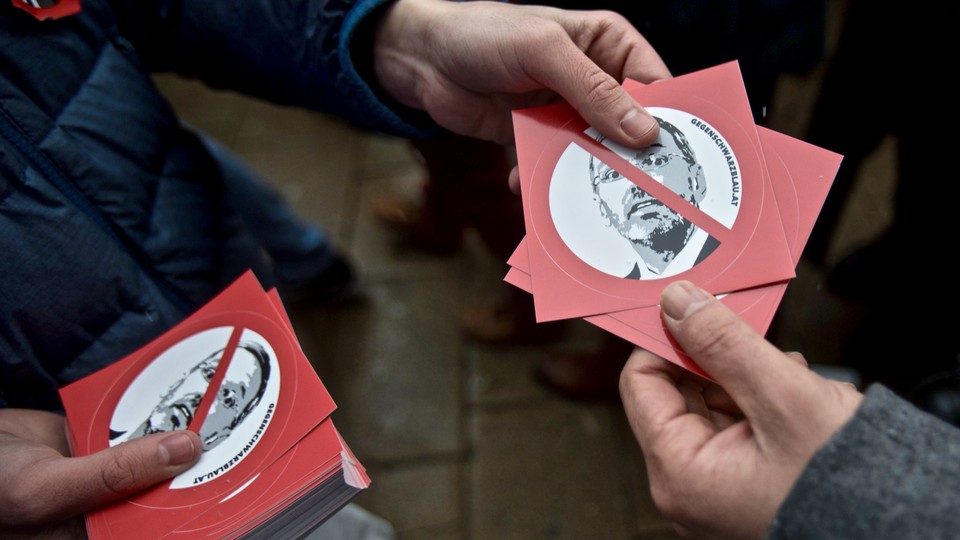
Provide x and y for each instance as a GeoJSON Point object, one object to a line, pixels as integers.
{"type": "Point", "coordinates": [292, 52]}
{"type": "Point", "coordinates": [891, 472]}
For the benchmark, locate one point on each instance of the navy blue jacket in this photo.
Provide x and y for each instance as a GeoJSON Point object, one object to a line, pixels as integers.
{"type": "Point", "coordinates": [113, 220]}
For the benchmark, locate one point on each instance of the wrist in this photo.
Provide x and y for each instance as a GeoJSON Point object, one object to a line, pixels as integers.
{"type": "Point", "coordinates": [402, 50]}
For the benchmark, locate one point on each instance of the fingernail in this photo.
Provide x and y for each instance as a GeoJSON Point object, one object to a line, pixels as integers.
{"type": "Point", "coordinates": [636, 124]}
{"type": "Point", "coordinates": [176, 449]}
{"type": "Point", "coordinates": [681, 299]}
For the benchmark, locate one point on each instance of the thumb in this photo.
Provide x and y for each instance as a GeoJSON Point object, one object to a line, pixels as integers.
{"type": "Point", "coordinates": [596, 95]}
{"type": "Point", "coordinates": [760, 378]}
{"type": "Point", "coordinates": [85, 483]}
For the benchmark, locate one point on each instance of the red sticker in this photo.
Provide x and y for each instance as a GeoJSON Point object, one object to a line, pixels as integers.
{"type": "Point", "coordinates": [765, 191]}
{"type": "Point", "coordinates": [49, 9]}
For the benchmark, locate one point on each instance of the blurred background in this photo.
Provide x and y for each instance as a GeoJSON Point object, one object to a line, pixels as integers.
{"type": "Point", "coordinates": [462, 439]}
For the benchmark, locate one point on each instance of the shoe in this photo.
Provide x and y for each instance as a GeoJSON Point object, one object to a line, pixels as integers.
{"type": "Point", "coordinates": [408, 218]}
{"type": "Point", "coordinates": [507, 321]}
{"type": "Point", "coordinates": [396, 211]}
{"type": "Point", "coordinates": [336, 285]}
{"type": "Point", "coordinates": [587, 376]}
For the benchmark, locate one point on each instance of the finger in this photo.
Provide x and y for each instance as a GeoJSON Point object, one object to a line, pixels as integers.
{"type": "Point", "coordinates": [653, 402]}
{"type": "Point", "coordinates": [693, 396]}
{"type": "Point", "coordinates": [594, 93]}
{"type": "Point", "coordinates": [46, 428]}
{"type": "Point", "coordinates": [619, 49]}
{"type": "Point", "coordinates": [643, 64]}
{"type": "Point", "coordinates": [757, 376]}
{"type": "Point", "coordinates": [514, 180]}
{"type": "Point", "coordinates": [612, 44]}
{"type": "Point", "coordinates": [72, 486]}
{"type": "Point", "coordinates": [717, 399]}
{"type": "Point", "coordinates": [722, 420]}
{"type": "Point", "coordinates": [713, 397]}
{"type": "Point", "coordinates": [798, 358]}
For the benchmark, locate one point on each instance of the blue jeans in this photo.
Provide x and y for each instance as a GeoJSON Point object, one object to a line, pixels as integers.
{"type": "Point", "coordinates": [300, 250]}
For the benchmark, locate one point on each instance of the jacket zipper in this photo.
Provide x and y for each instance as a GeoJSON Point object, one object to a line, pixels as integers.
{"type": "Point", "coordinates": [52, 174]}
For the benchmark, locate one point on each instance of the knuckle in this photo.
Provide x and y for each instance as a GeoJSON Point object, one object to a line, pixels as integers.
{"type": "Point", "coordinates": [714, 336]}
{"type": "Point", "coordinates": [587, 25]}
{"type": "Point", "coordinates": [122, 475]}
{"type": "Point", "coordinates": [601, 90]}
{"type": "Point", "coordinates": [542, 33]}
{"type": "Point", "coordinates": [798, 357]}
{"type": "Point", "coordinates": [610, 20]}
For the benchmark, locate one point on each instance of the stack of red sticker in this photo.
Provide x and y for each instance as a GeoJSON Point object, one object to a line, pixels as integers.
{"type": "Point", "coordinates": [49, 9]}
{"type": "Point", "coordinates": [716, 200]}
{"type": "Point", "coordinates": [273, 464]}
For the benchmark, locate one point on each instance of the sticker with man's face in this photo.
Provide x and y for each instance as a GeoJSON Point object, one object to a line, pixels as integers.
{"type": "Point", "coordinates": [231, 372]}
{"type": "Point", "coordinates": [166, 396]}
{"type": "Point", "coordinates": [703, 209]}
{"type": "Point", "coordinates": [615, 226]}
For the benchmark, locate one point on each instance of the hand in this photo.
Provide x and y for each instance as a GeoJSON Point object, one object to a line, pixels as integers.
{"type": "Point", "coordinates": [42, 491]}
{"type": "Point", "coordinates": [723, 457]}
{"type": "Point", "coordinates": [468, 64]}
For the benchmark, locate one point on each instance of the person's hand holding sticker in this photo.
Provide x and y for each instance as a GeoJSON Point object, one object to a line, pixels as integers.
{"type": "Point", "coordinates": [723, 457]}
{"type": "Point", "coordinates": [469, 64]}
{"type": "Point", "coordinates": [43, 491]}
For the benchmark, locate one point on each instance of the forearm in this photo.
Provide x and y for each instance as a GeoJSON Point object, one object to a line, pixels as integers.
{"type": "Point", "coordinates": [293, 52]}
{"type": "Point", "coordinates": [891, 472]}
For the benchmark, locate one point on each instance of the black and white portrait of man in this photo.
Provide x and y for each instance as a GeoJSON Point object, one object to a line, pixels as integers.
{"type": "Point", "coordinates": [167, 394]}
{"type": "Point", "coordinates": [621, 229]}
{"type": "Point", "coordinates": [656, 232]}
{"type": "Point", "coordinates": [240, 392]}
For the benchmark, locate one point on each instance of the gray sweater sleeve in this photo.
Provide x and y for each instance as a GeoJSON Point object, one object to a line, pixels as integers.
{"type": "Point", "coordinates": [891, 472]}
